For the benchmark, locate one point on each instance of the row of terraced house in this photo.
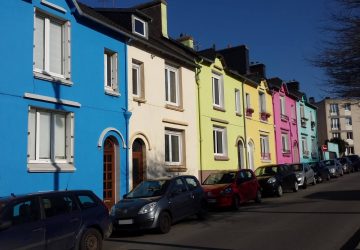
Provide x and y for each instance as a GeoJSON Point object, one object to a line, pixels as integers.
{"type": "Point", "coordinates": [101, 99]}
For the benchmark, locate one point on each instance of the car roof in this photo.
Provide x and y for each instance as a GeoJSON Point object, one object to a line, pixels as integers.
{"type": "Point", "coordinates": [19, 196]}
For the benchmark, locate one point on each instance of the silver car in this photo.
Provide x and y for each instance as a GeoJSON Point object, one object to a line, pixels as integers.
{"type": "Point", "coordinates": [305, 175]}
{"type": "Point", "coordinates": [334, 167]}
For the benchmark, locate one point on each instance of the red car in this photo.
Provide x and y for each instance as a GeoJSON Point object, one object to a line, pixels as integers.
{"type": "Point", "coordinates": [231, 188]}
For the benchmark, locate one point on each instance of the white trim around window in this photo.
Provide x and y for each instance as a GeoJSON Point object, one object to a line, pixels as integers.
{"type": "Point", "coordinates": [285, 142]}
{"type": "Point", "coordinates": [111, 71]}
{"type": "Point", "coordinates": [220, 141]}
{"type": "Point", "coordinates": [136, 80]}
{"type": "Point", "coordinates": [217, 90]}
{"type": "Point", "coordinates": [172, 88]}
{"type": "Point", "coordinates": [139, 26]}
{"type": "Point", "coordinates": [237, 102]}
{"type": "Point", "coordinates": [173, 147]}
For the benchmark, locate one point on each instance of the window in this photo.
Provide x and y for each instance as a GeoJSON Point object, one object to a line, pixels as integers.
{"type": "Point", "coordinates": [313, 147]}
{"type": "Point", "coordinates": [171, 86]}
{"type": "Point", "coordinates": [302, 111]}
{"type": "Point", "coordinates": [237, 102]}
{"type": "Point", "coordinates": [336, 135]}
{"type": "Point", "coordinates": [86, 201]}
{"type": "Point", "coordinates": [304, 145]}
{"type": "Point", "coordinates": [218, 89]}
{"type": "Point", "coordinates": [334, 108]}
{"type": "Point", "coordinates": [348, 121]}
{"type": "Point", "coordinates": [23, 212]}
{"type": "Point", "coordinates": [347, 106]}
{"type": "Point", "coordinates": [137, 80]}
{"type": "Point", "coordinates": [335, 123]}
{"type": "Point", "coordinates": [51, 136]}
{"type": "Point", "coordinates": [282, 105]}
{"type": "Point", "coordinates": [139, 27]}
{"type": "Point", "coordinates": [349, 135]}
{"type": "Point", "coordinates": [51, 46]}
{"type": "Point", "coordinates": [219, 137]}
{"type": "Point", "coordinates": [264, 147]}
{"type": "Point", "coordinates": [55, 205]}
{"type": "Point", "coordinates": [350, 150]}
{"type": "Point", "coordinates": [110, 71]}
{"type": "Point", "coordinates": [191, 182]}
{"type": "Point", "coordinates": [173, 147]}
{"type": "Point", "coordinates": [262, 102]}
{"type": "Point", "coordinates": [285, 143]}
{"type": "Point", "coordinates": [248, 103]}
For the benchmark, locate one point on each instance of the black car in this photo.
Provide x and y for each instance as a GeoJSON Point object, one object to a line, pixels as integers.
{"type": "Point", "coordinates": [321, 172]}
{"type": "Point", "coordinates": [346, 165]}
{"type": "Point", "coordinates": [273, 179]}
{"type": "Point", "coordinates": [158, 203]}
{"type": "Point", "coordinates": [53, 220]}
{"type": "Point", "coordinates": [355, 161]}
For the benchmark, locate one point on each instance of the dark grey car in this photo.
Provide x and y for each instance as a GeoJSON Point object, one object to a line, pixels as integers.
{"type": "Point", "coordinates": [159, 203]}
{"type": "Point", "coordinates": [334, 166]}
{"type": "Point", "coordinates": [53, 220]}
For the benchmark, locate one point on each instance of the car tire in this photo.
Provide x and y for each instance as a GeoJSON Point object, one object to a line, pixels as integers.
{"type": "Point", "coordinates": [305, 184]}
{"type": "Point", "coordinates": [279, 191]}
{"type": "Point", "coordinates": [328, 177]}
{"type": "Point", "coordinates": [91, 240]}
{"type": "Point", "coordinates": [258, 197]}
{"type": "Point", "coordinates": [296, 186]}
{"type": "Point", "coordinates": [236, 203]}
{"type": "Point", "coordinates": [164, 223]}
{"type": "Point", "coordinates": [314, 182]}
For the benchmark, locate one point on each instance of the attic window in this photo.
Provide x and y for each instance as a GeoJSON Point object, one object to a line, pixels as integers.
{"type": "Point", "coordinates": [139, 27]}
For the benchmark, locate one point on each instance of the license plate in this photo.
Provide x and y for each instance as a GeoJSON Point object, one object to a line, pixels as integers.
{"type": "Point", "coordinates": [212, 200]}
{"type": "Point", "coordinates": [126, 222]}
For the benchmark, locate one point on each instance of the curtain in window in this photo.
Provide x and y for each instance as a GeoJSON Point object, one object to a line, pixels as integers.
{"type": "Point", "coordinates": [39, 36]}
{"type": "Point", "coordinates": [59, 134]}
{"type": "Point", "coordinates": [44, 131]}
{"type": "Point", "coordinates": [56, 48]}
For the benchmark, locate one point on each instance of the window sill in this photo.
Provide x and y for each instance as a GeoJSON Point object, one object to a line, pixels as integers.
{"type": "Point", "coordinates": [238, 114]}
{"type": "Point", "coordinates": [111, 92]}
{"type": "Point", "coordinates": [139, 99]}
{"type": "Point", "coordinates": [219, 109]}
{"type": "Point", "coordinates": [176, 168]}
{"type": "Point", "coordinates": [50, 167]}
{"type": "Point", "coordinates": [221, 158]}
{"type": "Point", "coordinates": [54, 79]}
{"type": "Point", "coordinates": [266, 160]}
{"type": "Point", "coordinates": [172, 107]}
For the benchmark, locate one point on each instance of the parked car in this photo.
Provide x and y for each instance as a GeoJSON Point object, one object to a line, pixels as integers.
{"type": "Point", "coordinates": [231, 188]}
{"type": "Point", "coordinates": [334, 167]}
{"type": "Point", "coordinates": [355, 161]}
{"type": "Point", "coordinates": [158, 203]}
{"type": "Point", "coordinates": [273, 179]}
{"type": "Point", "coordinates": [321, 172]}
{"type": "Point", "coordinates": [346, 164]}
{"type": "Point", "coordinates": [304, 174]}
{"type": "Point", "coordinates": [53, 220]}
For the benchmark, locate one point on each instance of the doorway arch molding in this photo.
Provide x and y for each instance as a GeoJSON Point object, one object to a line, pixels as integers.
{"type": "Point", "coordinates": [143, 137]}
{"type": "Point", "coordinates": [109, 131]}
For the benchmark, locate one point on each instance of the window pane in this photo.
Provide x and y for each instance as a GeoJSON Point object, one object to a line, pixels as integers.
{"type": "Point", "coordinates": [139, 27]}
{"type": "Point", "coordinates": [135, 81]}
{"type": "Point", "coordinates": [219, 142]}
{"type": "Point", "coordinates": [166, 85]}
{"type": "Point", "coordinates": [56, 50]}
{"type": "Point", "coordinates": [167, 149]}
{"type": "Point", "coordinates": [173, 87]}
{"type": "Point", "coordinates": [175, 148]}
{"type": "Point", "coordinates": [32, 135]}
{"type": "Point", "coordinates": [44, 135]}
{"type": "Point", "coordinates": [39, 43]}
{"type": "Point", "coordinates": [108, 70]}
{"type": "Point", "coordinates": [59, 131]}
{"type": "Point", "coordinates": [216, 91]}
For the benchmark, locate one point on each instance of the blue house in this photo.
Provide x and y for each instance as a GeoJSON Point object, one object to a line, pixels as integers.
{"type": "Point", "coordinates": [63, 99]}
{"type": "Point", "coordinates": [307, 125]}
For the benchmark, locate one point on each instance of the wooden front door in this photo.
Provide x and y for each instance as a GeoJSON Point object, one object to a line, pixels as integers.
{"type": "Point", "coordinates": [109, 173]}
{"type": "Point", "coordinates": [138, 162]}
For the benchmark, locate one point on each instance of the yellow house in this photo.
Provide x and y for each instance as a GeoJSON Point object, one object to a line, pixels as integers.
{"type": "Point", "coordinates": [221, 115]}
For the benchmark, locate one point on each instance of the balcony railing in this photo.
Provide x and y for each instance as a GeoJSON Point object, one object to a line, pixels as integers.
{"type": "Point", "coordinates": [265, 156]}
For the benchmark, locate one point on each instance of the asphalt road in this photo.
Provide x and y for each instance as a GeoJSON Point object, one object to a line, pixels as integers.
{"type": "Point", "coordinates": [325, 216]}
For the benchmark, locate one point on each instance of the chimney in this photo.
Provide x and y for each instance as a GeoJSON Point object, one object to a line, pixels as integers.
{"type": "Point", "coordinates": [258, 70]}
{"type": "Point", "coordinates": [186, 40]}
{"type": "Point", "coordinates": [294, 85]}
{"type": "Point", "coordinates": [237, 58]}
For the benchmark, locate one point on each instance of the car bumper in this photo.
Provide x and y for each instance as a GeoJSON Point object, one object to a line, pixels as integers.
{"type": "Point", "coordinates": [143, 221]}
{"type": "Point", "coordinates": [220, 201]}
{"type": "Point", "coordinates": [268, 188]}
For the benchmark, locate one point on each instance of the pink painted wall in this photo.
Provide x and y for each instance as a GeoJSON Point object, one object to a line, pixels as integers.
{"type": "Point", "coordinates": [285, 124]}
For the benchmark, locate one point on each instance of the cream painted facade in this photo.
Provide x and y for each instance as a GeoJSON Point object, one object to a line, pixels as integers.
{"type": "Point", "coordinates": [152, 116]}
{"type": "Point", "coordinates": [260, 137]}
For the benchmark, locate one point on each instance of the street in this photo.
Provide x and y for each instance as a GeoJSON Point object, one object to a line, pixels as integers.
{"type": "Point", "coordinates": [325, 216]}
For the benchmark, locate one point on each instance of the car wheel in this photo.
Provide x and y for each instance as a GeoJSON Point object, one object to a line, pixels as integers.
{"type": "Point", "coordinates": [305, 184]}
{"type": "Point", "coordinates": [164, 224]}
{"type": "Point", "coordinates": [279, 191]}
{"type": "Point", "coordinates": [91, 240]}
{"type": "Point", "coordinates": [296, 186]}
{"type": "Point", "coordinates": [314, 182]}
{"type": "Point", "coordinates": [258, 197]}
{"type": "Point", "coordinates": [328, 177]}
{"type": "Point", "coordinates": [236, 203]}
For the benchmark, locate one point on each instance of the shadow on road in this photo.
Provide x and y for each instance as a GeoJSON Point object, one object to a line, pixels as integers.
{"type": "Point", "coordinates": [346, 195]}
{"type": "Point", "coordinates": [352, 243]}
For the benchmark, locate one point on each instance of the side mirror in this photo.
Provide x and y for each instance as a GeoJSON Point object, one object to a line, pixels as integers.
{"type": "Point", "coordinates": [5, 224]}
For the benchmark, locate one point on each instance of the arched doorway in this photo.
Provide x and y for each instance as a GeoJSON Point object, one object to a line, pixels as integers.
{"type": "Point", "coordinates": [109, 175]}
{"type": "Point", "coordinates": [138, 162]}
{"type": "Point", "coordinates": [240, 151]}
{"type": "Point", "coordinates": [251, 155]}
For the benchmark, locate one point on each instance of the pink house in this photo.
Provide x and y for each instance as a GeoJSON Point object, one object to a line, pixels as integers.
{"type": "Point", "coordinates": [286, 130]}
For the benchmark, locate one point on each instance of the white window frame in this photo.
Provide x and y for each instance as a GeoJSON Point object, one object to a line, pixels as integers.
{"type": "Point", "coordinates": [134, 20]}
{"type": "Point", "coordinates": [305, 148]}
{"type": "Point", "coordinates": [137, 68]}
{"type": "Point", "coordinates": [335, 123]}
{"type": "Point", "coordinates": [171, 134]}
{"type": "Point", "coordinates": [169, 69]}
{"type": "Point", "coordinates": [112, 85]}
{"type": "Point", "coordinates": [65, 46]}
{"type": "Point", "coordinates": [347, 106]}
{"type": "Point", "coordinates": [237, 102]}
{"type": "Point", "coordinates": [220, 82]}
{"type": "Point", "coordinates": [334, 108]}
{"type": "Point", "coordinates": [348, 121]}
{"type": "Point", "coordinates": [262, 102]}
{"type": "Point", "coordinates": [248, 100]}
{"type": "Point", "coordinates": [34, 128]}
{"type": "Point", "coordinates": [349, 136]}
{"type": "Point", "coordinates": [264, 147]}
{"type": "Point", "coordinates": [336, 135]}
{"type": "Point", "coordinates": [223, 134]}
{"type": "Point", "coordinates": [282, 105]}
{"type": "Point", "coordinates": [285, 142]}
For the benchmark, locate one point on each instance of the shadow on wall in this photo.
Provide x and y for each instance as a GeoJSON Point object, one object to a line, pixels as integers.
{"type": "Point", "coordinates": [156, 168]}
{"type": "Point", "coordinates": [346, 195]}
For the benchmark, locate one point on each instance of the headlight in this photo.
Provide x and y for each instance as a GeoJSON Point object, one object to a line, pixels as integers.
{"type": "Point", "coordinates": [148, 208]}
{"type": "Point", "coordinates": [332, 170]}
{"type": "Point", "coordinates": [112, 211]}
{"type": "Point", "coordinates": [227, 190]}
{"type": "Point", "coordinates": [298, 176]}
{"type": "Point", "coordinates": [272, 180]}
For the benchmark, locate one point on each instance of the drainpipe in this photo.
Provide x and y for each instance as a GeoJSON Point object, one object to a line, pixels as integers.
{"type": "Point", "coordinates": [197, 79]}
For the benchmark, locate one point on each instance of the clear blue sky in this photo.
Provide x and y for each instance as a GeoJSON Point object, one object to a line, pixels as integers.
{"type": "Point", "coordinates": [282, 34]}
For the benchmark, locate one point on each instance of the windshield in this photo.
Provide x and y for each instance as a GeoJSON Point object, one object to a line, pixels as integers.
{"type": "Point", "coordinates": [220, 178]}
{"type": "Point", "coordinates": [297, 167]}
{"type": "Point", "coordinates": [266, 171]}
{"type": "Point", "coordinates": [149, 189]}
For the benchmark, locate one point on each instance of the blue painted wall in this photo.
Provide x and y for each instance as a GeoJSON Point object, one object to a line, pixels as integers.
{"type": "Point", "coordinates": [98, 110]}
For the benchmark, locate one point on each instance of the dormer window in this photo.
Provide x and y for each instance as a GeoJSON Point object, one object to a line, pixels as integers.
{"type": "Point", "coordinates": [139, 27]}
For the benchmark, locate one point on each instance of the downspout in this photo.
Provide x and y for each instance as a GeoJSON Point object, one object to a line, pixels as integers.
{"type": "Point", "coordinates": [197, 79]}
